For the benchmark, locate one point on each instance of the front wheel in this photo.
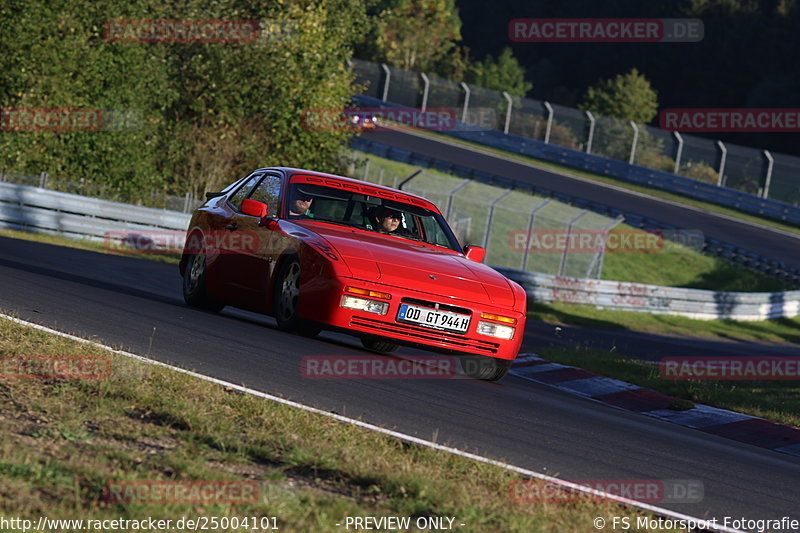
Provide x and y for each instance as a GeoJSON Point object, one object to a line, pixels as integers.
{"type": "Point", "coordinates": [484, 368]}
{"type": "Point", "coordinates": [194, 285]}
{"type": "Point", "coordinates": [286, 295]}
{"type": "Point", "coordinates": [285, 298]}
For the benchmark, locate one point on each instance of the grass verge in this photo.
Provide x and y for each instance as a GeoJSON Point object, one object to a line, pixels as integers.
{"type": "Point", "coordinates": [776, 330]}
{"type": "Point", "coordinates": [657, 193]}
{"type": "Point", "coordinates": [773, 400]}
{"type": "Point", "coordinates": [64, 442]}
{"type": "Point", "coordinates": [88, 244]}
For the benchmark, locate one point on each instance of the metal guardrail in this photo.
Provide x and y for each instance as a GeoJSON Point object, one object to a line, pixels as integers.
{"type": "Point", "coordinates": [730, 252]}
{"type": "Point", "coordinates": [627, 296]}
{"type": "Point", "coordinates": [640, 175]}
{"type": "Point", "coordinates": [42, 210]}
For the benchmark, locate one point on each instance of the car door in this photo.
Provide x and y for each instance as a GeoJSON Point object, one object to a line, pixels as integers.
{"type": "Point", "coordinates": [222, 234]}
{"type": "Point", "coordinates": [250, 261]}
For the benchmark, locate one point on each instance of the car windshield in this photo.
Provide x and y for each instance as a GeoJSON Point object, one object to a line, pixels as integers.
{"type": "Point", "coordinates": [370, 213]}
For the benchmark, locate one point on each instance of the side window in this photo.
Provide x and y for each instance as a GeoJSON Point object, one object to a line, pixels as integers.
{"type": "Point", "coordinates": [434, 233]}
{"type": "Point", "coordinates": [268, 192]}
{"type": "Point", "coordinates": [239, 196]}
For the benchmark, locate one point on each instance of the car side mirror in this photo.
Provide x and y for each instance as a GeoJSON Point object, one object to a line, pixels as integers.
{"type": "Point", "coordinates": [254, 208]}
{"type": "Point", "coordinates": [475, 253]}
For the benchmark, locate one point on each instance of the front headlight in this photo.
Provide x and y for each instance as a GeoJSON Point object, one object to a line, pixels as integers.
{"type": "Point", "coordinates": [364, 304]}
{"type": "Point", "coordinates": [495, 330]}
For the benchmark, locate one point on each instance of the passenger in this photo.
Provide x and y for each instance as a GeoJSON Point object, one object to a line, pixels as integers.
{"type": "Point", "coordinates": [386, 219]}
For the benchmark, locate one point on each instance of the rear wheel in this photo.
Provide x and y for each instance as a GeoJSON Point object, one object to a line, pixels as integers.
{"type": "Point", "coordinates": [375, 345]}
{"type": "Point", "coordinates": [484, 368]}
{"type": "Point", "coordinates": [194, 285]}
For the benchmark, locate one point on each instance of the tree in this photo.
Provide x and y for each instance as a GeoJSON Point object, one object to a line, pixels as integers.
{"type": "Point", "coordinates": [502, 74]}
{"type": "Point", "coordinates": [208, 111]}
{"type": "Point", "coordinates": [419, 35]}
{"type": "Point", "coordinates": [627, 97]}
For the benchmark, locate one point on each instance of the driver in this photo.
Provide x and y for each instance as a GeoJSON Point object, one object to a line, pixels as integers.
{"type": "Point", "coordinates": [299, 205]}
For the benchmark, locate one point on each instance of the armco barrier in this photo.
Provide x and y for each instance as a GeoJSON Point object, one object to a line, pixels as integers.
{"type": "Point", "coordinates": [42, 210]}
{"type": "Point", "coordinates": [627, 296]}
{"type": "Point", "coordinates": [732, 253]}
{"type": "Point", "coordinates": [656, 179]}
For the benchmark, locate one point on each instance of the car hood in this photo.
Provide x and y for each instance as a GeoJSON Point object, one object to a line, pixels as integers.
{"type": "Point", "coordinates": [401, 263]}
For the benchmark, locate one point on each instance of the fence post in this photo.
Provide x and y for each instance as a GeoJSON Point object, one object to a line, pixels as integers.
{"type": "Point", "coordinates": [452, 193]}
{"type": "Point", "coordinates": [187, 202]}
{"type": "Point", "coordinates": [409, 178]}
{"type": "Point", "coordinates": [678, 153]}
{"type": "Point", "coordinates": [563, 264]}
{"type": "Point", "coordinates": [591, 131]}
{"type": "Point", "coordinates": [386, 80]}
{"type": "Point", "coordinates": [466, 101]}
{"type": "Point", "coordinates": [508, 111]}
{"type": "Point", "coordinates": [531, 219]}
{"type": "Point", "coordinates": [43, 177]}
{"type": "Point", "coordinates": [490, 219]}
{"type": "Point", "coordinates": [633, 144]}
{"type": "Point", "coordinates": [549, 122]}
{"type": "Point", "coordinates": [599, 257]}
{"type": "Point", "coordinates": [366, 170]}
{"type": "Point", "coordinates": [425, 90]}
{"type": "Point", "coordinates": [768, 178]}
{"type": "Point", "coordinates": [724, 155]}
{"type": "Point", "coordinates": [3, 175]}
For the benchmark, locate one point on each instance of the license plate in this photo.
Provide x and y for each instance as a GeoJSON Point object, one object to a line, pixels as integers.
{"type": "Point", "coordinates": [433, 318]}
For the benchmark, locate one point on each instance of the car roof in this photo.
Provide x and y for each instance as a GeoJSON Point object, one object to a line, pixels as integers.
{"type": "Point", "coordinates": [292, 171]}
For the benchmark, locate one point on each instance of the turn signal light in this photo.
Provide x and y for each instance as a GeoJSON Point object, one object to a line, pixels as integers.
{"type": "Point", "coordinates": [371, 294]}
{"type": "Point", "coordinates": [499, 318]}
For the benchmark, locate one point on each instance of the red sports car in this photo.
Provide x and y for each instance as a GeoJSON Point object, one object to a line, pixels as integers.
{"type": "Point", "coordinates": [318, 251]}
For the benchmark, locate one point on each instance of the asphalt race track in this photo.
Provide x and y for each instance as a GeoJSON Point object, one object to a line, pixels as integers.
{"type": "Point", "coordinates": [136, 305]}
{"type": "Point", "coordinates": [765, 242]}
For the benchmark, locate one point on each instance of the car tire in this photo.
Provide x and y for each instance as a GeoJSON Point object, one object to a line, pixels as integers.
{"type": "Point", "coordinates": [375, 345]}
{"type": "Point", "coordinates": [286, 297]}
{"type": "Point", "coordinates": [194, 285]}
{"type": "Point", "coordinates": [484, 368]}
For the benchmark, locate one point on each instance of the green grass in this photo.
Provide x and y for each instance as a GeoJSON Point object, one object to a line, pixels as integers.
{"type": "Point", "coordinates": [63, 441]}
{"type": "Point", "coordinates": [773, 400]}
{"type": "Point", "coordinates": [88, 244]}
{"type": "Point", "coordinates": [776, 330]}
{"type": "Point", "coordinates": [672, 266]}
{"type": "Point", "coordinates": [706, 206]}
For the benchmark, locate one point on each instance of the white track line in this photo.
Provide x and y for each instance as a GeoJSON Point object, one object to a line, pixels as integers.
{"type": "Point", "coordinates": [378, 429]}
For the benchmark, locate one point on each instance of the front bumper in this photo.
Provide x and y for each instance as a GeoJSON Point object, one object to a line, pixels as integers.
{"type": "Point", "coordinates": [324, 307]}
